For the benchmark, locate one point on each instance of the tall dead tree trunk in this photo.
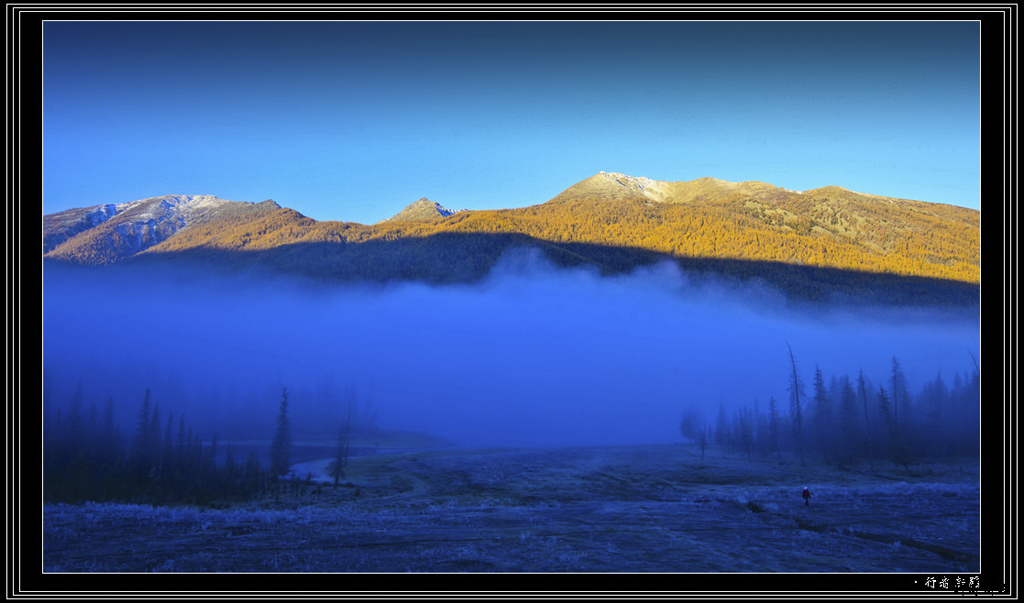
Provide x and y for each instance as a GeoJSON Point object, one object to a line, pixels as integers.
{"type": "Point", "coordinates": [795, 406]}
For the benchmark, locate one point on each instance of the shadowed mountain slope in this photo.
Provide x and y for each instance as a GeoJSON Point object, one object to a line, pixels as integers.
{"type": "Point", "coordinates": [457, 258]}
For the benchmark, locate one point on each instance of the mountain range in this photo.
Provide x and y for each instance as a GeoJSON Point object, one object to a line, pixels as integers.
{"type": "Point", "coordinates": [814, 244]}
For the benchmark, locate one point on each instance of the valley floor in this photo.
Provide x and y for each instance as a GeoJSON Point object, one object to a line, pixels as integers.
{"type": "Point", "coordinates": [615, 509]}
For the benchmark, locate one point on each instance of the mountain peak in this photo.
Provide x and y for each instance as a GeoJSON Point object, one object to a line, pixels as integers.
{"type": "Point", "coordinates": [619, 187]}
{"type": "Point", "coordinates": [113, 231]}
{"type": "Point", "coordinates": [421, 209]}
{"type": "Point", "coordinates": [614, 187]}
{"type": "Point", "coordinates": [639, 183]}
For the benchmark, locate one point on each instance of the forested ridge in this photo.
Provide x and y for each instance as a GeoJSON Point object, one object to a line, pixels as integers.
{"type": "Point", "coordinates": [608, 221]}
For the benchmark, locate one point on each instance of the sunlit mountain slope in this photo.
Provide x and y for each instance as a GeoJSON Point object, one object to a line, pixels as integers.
{"type": "Point", "coordinates": [612, 221]}
{"type": "Point", "coordinates": [105, 234]}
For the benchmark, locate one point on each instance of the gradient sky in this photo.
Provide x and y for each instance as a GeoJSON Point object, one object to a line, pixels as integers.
{"type": "Point", "coordinates": [355, 120]}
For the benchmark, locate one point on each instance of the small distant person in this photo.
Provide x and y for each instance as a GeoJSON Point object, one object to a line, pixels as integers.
{"type": "Point", "coordinates": [807, 497]}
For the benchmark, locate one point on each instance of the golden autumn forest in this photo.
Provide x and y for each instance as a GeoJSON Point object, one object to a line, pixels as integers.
{"type": "Point", "coordinates": [813, 244]}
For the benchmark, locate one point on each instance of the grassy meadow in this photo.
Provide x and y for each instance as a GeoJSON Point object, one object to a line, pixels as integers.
{"type": "Point", "coordinates": [656, 508]}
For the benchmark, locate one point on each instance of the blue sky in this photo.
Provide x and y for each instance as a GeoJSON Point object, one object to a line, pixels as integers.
{"type": "Point", "coordinates": [355, 120]}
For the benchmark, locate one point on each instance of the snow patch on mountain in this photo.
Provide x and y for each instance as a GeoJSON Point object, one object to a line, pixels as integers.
{"type": "Point", "coordinates": [171, 206]}
{"type": "Point", "coordinates": [102, 213]}
{"type": "Point", "coordinates": [444, 211]}
{"type": "Point", "coordinates": [148, 222]}
{"type": "Point", "coordinates": [652, 189]}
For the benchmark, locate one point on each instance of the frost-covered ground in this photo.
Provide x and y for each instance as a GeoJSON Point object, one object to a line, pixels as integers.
{"type": "Point", "coordinates": [615, 509]}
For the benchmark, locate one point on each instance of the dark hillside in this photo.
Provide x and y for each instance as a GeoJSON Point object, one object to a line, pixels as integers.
{"type": "Point", "coordinates": [466, 257]}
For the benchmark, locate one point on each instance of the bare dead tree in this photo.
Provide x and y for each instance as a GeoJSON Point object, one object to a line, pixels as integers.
{"type": "Point", "coordinates": [795, 389]}
{"type": "Point", "coordinates": [336, 468]}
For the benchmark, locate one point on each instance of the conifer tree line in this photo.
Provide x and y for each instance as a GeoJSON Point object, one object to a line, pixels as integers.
{"type": "Point", "coordinates": [162, 460]}
{"type": "Point", "coordinates": [846, 420]}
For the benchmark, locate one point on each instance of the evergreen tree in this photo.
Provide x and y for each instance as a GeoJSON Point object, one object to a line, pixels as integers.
{"type": "Point", "coordinates": [822, 421]}
{"type": "Point", "coordinates": [155, 440]}
{"type": "Point", "coordinates": [761, 442]}
{"type": "Point", "coordinates": [167, 452]}
{"type": "Point", "coordinates": [896, 452]}
{"type": "Point", "coordinates": [936, 398]}
{"type": "Point", "coordinates": [899, 393]}
{"type": "Point", "coordinates": [723, 433]}
{"type": "Point", "coordinates": [967, 401]}
{"type": "Point", "coordinates": [110, 443]}
{"type": "Point", "coordinates": [848, 434]}
{"type": "Point", "coordinates": [773, 427]}
{"type": "Point", "coordinates": [691, 424]}
{"type": "Point", "coordinates": [73, 432]}
{"type": "Point", "coordinates": [254, 474]}
{"type": "Point", "coordinates": [745, 422]}
{"type": "Point", "coordinates": [230, 467]}
{"type": "Point", "coordinates": [862, 391]}
{"type": "Point", "coordinates": [897, 382]}
{"type": "Point", "coordinates": [182, 441]}
{"type": "Point", "coordinates": [142, 446]}
{"type": "Point", "coordinates": [281, 447]}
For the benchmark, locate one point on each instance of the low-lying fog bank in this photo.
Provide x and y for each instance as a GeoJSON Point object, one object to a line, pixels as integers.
{"type": "Point", "coordinates": [532, 355]}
